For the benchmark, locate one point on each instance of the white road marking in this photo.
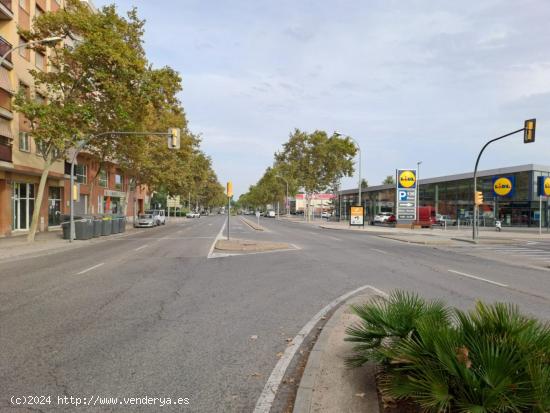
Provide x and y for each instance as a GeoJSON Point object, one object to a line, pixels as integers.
{"type": "Point", "coordinates": [140, 248]}
{"type": "Point", "coordinates": [265, 401]}
{"type": "Point", "coordinates": [478, 278]}
{"type": "Point", "coordinates": [91, 268]}
{"type": "Point", "coordinates": [216, 240]}
{"type": "Point", "coordinates": [380, 251]}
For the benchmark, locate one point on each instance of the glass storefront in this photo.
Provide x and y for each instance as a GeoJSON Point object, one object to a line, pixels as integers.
{"type": "Point", "coordinates": [22, 205]}
{"type": "Point", "coordinates": [54, 206]}
{"type": "Point", "coordinates": [454, 198]}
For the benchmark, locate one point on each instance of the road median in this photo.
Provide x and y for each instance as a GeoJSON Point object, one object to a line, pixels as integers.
{"type": "Point", "coordinates": [242, 245]}
{"type": "Point", "coordinates": [252, 224]}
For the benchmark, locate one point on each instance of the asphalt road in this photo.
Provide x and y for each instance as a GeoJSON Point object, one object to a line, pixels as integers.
{"type": "Point", "coordinates": [150, 315]}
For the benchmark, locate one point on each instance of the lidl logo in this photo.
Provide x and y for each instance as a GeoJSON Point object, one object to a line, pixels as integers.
{"type": "Point", "coordinates": [544, 186]}
{"type": "Point", "coordinates": [407, 179]}
{"type": "Point", "coordinates": [503, 186]}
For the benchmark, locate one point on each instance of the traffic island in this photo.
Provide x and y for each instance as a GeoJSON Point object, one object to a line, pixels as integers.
{"type": "Point", "coordinates": [242, 245]}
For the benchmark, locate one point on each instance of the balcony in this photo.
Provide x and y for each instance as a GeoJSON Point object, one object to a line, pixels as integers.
{"type": "Point", "coordinates": [5, 47]}
{"type": "Point", "coordinates": [5, 150]}
{"type": "Point", "coordinates": [6, 13]}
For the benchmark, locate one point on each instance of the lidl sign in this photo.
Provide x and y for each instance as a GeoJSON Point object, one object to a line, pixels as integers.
{"type": "Point", "coordinates": [504, 186]}
{"type": "Point", "coordinates": [544, 185]}
{"type": "Point", "coordinates": [406, 178]}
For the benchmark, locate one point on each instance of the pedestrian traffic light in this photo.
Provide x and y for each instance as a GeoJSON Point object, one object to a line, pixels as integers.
{"type": "Point", "coordinates": [229, 189]}
{"type": "Point", "coordinates": [479, 198]}
{"type": "Point", "coordinates": [529, 130]}
{"type": "Point", "coordinates": [174, 138]}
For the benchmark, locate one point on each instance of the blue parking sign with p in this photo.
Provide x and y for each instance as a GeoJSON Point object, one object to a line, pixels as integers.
{"type": "Point", "coordinates": [402, 195]}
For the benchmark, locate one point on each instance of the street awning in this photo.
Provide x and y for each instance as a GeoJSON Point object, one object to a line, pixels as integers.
{"type": "Point", "coordinates": [5, 129]}
{"type": "Point", "coordinates": [5, 81]}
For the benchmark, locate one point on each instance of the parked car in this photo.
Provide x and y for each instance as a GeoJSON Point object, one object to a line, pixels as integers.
{"type": "Point", "coordinates": [269, 214]}
{"type": "Point", "coordinates": [192, 214]}
{"type": "Point", "coordinates": [145, 220]}
{"type": "Point", "coordinates": [392, 219]}
{"type": "Point", "coordinates": [442, 219]}
{"type": "Point", "coordinates": [325, 214]}
{"type": "Point", "coordinates": [158, 215]}
{"type": "Point", "coordinates": [382, 217]}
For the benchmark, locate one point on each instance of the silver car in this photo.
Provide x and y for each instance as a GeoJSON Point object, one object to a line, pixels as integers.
{"type": "Point", "coordinates": [145, 220]}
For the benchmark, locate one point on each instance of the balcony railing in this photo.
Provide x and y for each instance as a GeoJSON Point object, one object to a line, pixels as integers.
{"type": "Point", "coordinates": [5, 151]}
{"type": "Point", "coordinates": [5, 47]}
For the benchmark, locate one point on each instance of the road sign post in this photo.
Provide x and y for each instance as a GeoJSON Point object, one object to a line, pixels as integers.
{"type": "Point", "coordinates": [407, 196]}
{"type": "Point", "coordinates": [229, 191]}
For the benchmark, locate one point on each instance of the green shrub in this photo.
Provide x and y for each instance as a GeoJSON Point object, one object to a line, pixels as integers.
{"type": "Point", "coordinates": [491, 359]}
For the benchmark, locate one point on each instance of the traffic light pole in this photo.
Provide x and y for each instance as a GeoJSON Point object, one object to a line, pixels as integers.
{"type": "Point", "coordinates": [476, 209]}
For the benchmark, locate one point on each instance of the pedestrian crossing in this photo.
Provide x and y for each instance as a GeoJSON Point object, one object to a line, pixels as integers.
{"type": "Point", "coordinates": [528, 251]}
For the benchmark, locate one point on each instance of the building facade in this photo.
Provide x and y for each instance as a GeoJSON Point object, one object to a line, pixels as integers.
{"type": "Point", "coordinates": [21, 162]}
{"type": "Point", "coordinates": [452, 195]}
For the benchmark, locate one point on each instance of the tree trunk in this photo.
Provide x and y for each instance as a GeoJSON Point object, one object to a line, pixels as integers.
{"type": "Point", "coordinates": [92, 187]}
{"type": "Point", "coordinates": [38, 201]}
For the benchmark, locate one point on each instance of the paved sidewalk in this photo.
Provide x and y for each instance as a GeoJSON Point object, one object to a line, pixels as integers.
{"type": "Point", "coordinates": [327, 385]}
{"type": "Point", "coordinates": [47, 243]}
{"type": "Point", "coordinates": [436, 235]}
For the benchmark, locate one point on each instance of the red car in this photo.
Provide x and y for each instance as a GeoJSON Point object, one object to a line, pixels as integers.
{"type": "Point", "coordinates": [391, 219]}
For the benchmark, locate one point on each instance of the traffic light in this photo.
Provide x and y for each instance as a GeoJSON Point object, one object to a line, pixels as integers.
{"type": "Point", "coordinates": [229, 189]}
{"type": "Point", "coordinates": [529, 130]}
{"type": "Point", "coordinates": [479, 198]}
{"type": "Point", "coordinates": [75, 192]}
{"type": "Point", "coordinates": [174, 138]}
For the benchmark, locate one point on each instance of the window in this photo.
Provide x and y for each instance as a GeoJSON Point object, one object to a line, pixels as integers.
{"type": "Point", "coordinates": [40, 148]}
{"type": "Point", "coordinates": [118, 182]}
{"type": "Point", "coordinates": [103, 178]}
{"type": "Point", "coordinates": [81, 173]}
{"type": "Point", "coordinates": [24, 142]}
{"type": "Point", "coordinates": [23, 4]}
{"type": "Point", "coordinates": [38, 12]}
{"type": "Point", "coordinates": [24, 52]}
{"type": "Point", "coordinates": [40, 61]}
{"type": "Point", "coordinates": [100, 205]}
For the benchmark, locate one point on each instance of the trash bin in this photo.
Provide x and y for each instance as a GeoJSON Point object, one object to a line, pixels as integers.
{"type": "Point", "coordinates": [122, 224]}
{"type": "Point", "coordinates": [116, 225]}
{"type": "Point", "coordinates": [84, 228]}
{"type": "Point", "coordinates": [97, 227]}
{"type": "Point", "coordinates": [66, 229]}
{"type": "Point", "coordinates": [106, 226]}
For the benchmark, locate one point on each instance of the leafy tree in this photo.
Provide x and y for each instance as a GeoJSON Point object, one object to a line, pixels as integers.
{"type": "Point", "coordinates": [364, 184]}
{"type": "Point", "coordinates": [389, 180]}
{"type": "Point", "coordinates": [93, 82]}
{"type": "Point", "coordinates": [315, 161]}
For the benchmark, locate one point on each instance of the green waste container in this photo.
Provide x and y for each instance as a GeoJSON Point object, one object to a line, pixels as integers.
{"type": "Point", "coordinates": [116, 225]}
{"type": "Point", "coordinates": [97, 227]}
{"type": "Point", "coordinates": [84, 228]}
{"type": "Point", "coordinates": [106, 226]}
{"type": "Point", "coordinates": [122, 224]}
{"type": "Point", "coordinates": [66, 229]}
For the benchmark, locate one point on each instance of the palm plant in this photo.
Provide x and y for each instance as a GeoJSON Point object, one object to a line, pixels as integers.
{"type": "Point", "coordinates": [492, 359]}
{"type": "Point", "coordinates": [385, 322]}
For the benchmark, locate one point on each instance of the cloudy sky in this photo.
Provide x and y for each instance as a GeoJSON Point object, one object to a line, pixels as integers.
{"type": "Point", "coordinates": [411, 81]}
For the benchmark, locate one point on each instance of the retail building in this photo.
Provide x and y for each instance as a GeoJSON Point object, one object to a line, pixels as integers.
{"type": "Point", "coordinates": [452, 195]}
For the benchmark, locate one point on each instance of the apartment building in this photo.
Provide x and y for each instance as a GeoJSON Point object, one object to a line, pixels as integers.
{"type": "Point", "coordinates": [21, 163]}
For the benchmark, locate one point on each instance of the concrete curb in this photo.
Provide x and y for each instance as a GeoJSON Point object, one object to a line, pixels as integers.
{"type": "Point", "coordinates": [327, 385]}
{"type": "Point", "coordinates": [420, 242]}
{"type": "Point", "coordinates": [252, 225]}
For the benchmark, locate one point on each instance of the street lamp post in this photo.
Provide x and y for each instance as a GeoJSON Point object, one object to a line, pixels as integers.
{"type": "Point", "coordinates": [529, 136]}
{"type": "Point", "coordinates": [47, 41]}
{"type": "Point", "coordinates": [286, 200]}
{"type": "Point", "coordinates": [173, 133]}
{"type": "Point", "coordinates": [418, 191]}
{"type": "Point", "coordinates": [358, 167]}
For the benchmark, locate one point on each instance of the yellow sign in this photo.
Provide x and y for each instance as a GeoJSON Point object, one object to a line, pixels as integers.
{"type": "Point", "coordinates": [503, 186]}
{"type": "Point", "coordinates": [356, 215]}
{"type": "Point", "coordinates": [546, 186]}
{"type": "Point", "coordinates": [229, 189]}
{"type": "Point", "coordinates": [407, 179]}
